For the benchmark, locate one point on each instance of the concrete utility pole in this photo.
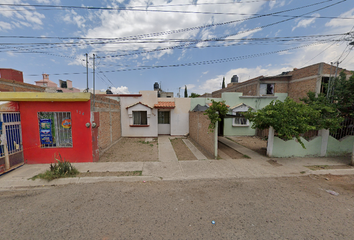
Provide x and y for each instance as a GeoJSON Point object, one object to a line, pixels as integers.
{"type": "Point", "coordinates": [93, 80]}
{"type": "Point", "coordinates": [87, 86]}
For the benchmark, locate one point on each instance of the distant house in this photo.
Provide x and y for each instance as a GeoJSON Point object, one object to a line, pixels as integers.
{"type": "Point", "coordinates": [64, 86]}
{"type": "Point", "coordinates": [147, 115]}
{"type": "Point", "coordinates": [295, 83]}
{"type": "Point", "coordinates": [11, 80]}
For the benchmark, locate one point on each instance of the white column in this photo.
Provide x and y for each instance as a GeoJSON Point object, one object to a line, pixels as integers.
{"type": "Point", "coordinates": [216, 139]}
{"type": "Point", "coordinates": [270, 142]}
{"type": "Point", "coordinates": [325, 135]}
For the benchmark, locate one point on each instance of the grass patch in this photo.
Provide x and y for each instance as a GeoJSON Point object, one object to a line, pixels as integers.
{"type": "Point", "coordinates": [246, 156]}
{"type": "Point", "coordinates": [111, 174]}
{"type": "Point", "coordinates": [302, 172]}
{"type": "Point", "coordinates": [60, 169]}
{"type": "Point", "coordinates": [318, 167]}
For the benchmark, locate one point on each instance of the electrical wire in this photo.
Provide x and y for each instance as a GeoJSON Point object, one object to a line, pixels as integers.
{"type": "Point", "coordinates": [207, 62]}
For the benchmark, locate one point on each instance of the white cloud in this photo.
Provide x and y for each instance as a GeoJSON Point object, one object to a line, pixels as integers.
{"type": "Point", "coordinates": [5, 26]}
{"type": "Point", "coordinates": [275, 3]}
{"type": "Point", "coordinates": [120, 90]}
{"type": "Point", "coordinates": [342, 22]}
{"type": "Point", "coordinates": [72, 17]}
{"type": "Point", "coordinates": [133, 23]}
{"type": "Point", "coordinates": [306, 22]}
{"type": "Point", "coordinates": [19, 17]}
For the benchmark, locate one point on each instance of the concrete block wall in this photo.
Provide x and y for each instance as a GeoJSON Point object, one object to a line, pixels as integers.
{"type": "Point", "coordinates": [199, 132]}
{"type": "Point", "coordinates": [109, 130]}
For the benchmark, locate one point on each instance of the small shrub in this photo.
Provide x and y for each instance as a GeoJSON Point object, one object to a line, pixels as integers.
{"type": "Point", "coordinates": [60, 169]}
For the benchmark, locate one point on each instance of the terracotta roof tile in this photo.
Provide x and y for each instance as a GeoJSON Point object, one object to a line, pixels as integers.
{"type": "Point", "coordinates": [166, 105]}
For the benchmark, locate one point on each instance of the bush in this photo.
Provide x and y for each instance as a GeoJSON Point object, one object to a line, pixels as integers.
{"type": "Point", "coordinates": [60, 169]}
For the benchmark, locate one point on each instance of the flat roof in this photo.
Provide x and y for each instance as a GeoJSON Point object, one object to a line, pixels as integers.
{"type": "Point", "coordinates": [44, 97]}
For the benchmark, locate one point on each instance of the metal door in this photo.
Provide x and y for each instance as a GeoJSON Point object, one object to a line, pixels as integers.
{"type": "Point", "coordinates": [11, 149]}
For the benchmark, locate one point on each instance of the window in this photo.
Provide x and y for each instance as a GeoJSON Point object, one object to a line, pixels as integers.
{"type": "Point", "coordinates": [240, 120]}
{"type": "Point", "coordinates": [266, 88]}
{"type": "Point", "coordinates": [164, 117]}
{"type": "Point", "coordinates": [324, 84]}
{"type": "Point", "coordinates": [139, 117]}
{"type": "Point", "coordinates": [55, 129]}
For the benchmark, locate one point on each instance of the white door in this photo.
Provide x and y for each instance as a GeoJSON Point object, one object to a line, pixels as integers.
{"type": "Point", "coordinates": [164, 122]}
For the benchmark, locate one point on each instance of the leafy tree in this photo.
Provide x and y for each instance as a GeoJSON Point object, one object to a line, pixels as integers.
{"type": "Point", "coordinates": [343, 96]}
{"type": "Point", "coordinates": [185, 91]}
{"type": "Point", "coordinates": [289, 118]}
{"type": "Point", "coordinates": [216, 111]}
{"type": "Point", "coordinates": [194, 95]}
{"type": "Point", "coordinates": [330, 117]}
{"type": "Point", "coordinates": [223, 82]}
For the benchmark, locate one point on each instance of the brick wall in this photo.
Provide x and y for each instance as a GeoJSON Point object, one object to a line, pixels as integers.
{"type": "Point", "coordinates": [281, 87]}
{"type": "Point", "coordinates": [109, 130]}
{"type": "Point", "coordinates": [198, 132]}
{"type": "Point", "coordinates": [13, 86]}
{"type": "Point", "coordinates": [299, 89]}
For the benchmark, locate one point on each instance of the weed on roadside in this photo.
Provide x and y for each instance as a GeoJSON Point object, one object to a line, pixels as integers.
{"type": "Point", "coordinates": [60, 169]}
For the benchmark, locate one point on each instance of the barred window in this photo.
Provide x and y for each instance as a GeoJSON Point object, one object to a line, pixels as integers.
{"type": "Point", "coordinates": [240, 120]}
{"type": "Point", "coordinates": [55, 129]}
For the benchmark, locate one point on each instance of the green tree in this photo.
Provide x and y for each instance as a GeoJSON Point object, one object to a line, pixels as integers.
{"type": "Point", "coordinates": [343, 96]}
{"type": "Point", "coordinates": [289, 118]}
{"type": "Point", "coordinates": [330, 117]}
{"type": "Point", "coordinates": [216, 111]}
{"type": "Point", "coordinates": [223, 82]}
{"type": "Point", "coordinates": [194, 95]}
{"type": "Point", "coordinates": [185, 91]}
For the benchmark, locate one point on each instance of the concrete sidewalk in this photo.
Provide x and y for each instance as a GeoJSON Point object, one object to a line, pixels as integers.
{"type": "Point", "coordinates": [257, 167]}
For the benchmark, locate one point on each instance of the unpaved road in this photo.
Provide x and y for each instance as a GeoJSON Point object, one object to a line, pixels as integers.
{"type": "Point", "coordinates": [268, 208]}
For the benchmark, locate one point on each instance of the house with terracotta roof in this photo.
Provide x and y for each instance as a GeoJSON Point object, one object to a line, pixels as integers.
{"type": "Point", "coordinates": [147, 115]}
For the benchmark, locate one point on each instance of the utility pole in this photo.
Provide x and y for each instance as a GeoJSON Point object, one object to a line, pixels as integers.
{"type": "Point", "coordinates": [93, 80]}
{"type": "Point", "coordinates": [87, 86]}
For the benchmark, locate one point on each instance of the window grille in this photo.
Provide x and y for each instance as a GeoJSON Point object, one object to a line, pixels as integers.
{"type": "Point", "coordinates": [164, 117]}
{"type": "Point", "coordinates": [240, 119]}
{"type": "Point", "coordinates": [11, 129]}
{"type": "Point", "coordinates": [55, 129]}
{"type": "Point", "coordinates": [139, 117]}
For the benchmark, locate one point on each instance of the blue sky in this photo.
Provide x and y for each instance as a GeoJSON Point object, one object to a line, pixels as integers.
{"type": "Point", "coordinates": [178, 43]}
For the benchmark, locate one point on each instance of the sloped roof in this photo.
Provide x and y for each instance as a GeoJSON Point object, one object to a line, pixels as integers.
{"type": "Point", "coordinates": [200, 108]}
{"type": "Point", "coordinates": [139, 103]}
{"type": "Point", "coordinates": [165, 105]}
{"type": "Point", "coordinates": [240, 105]}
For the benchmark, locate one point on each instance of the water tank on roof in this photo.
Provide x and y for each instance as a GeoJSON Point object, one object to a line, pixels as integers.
{"type": "Point", "coordinates": [156, 86]}
{"type": "Point", "coordinates": [234, 79]}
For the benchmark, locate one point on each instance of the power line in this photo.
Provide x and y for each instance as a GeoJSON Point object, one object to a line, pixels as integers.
{"type": "Point", "coordinates": [207, 62]}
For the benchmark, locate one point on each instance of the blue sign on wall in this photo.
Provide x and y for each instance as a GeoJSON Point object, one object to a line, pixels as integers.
{"type": "Point", "coordinates": [45, 131]}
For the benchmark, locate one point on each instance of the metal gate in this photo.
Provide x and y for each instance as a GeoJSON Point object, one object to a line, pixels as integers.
{"type": "Point", "coordinates": [11, 149]}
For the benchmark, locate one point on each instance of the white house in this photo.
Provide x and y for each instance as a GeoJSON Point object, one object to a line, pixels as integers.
{"type": "Point", "coordinates": [146, 115]}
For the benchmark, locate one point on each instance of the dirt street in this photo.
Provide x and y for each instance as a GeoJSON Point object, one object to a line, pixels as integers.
{"type": "Point", "coordinates": [267, 208]}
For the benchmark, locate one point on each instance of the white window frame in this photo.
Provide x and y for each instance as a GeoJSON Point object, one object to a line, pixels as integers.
{"type": "Point", "coordinates": [265, 86]}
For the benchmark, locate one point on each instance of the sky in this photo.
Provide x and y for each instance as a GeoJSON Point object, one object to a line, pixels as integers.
{"type": "Point", "coordinates": [175, 43]}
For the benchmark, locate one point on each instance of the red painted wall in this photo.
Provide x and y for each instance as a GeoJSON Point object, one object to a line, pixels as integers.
{"type": "Point", "coordinates": [82, 138]}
